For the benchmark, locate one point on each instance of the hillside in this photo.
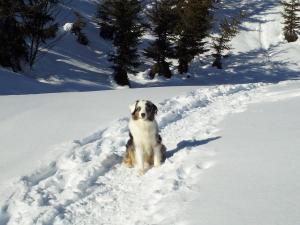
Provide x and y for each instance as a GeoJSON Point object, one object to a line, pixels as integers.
{"type": "Point", "coordinates": [259, 55]}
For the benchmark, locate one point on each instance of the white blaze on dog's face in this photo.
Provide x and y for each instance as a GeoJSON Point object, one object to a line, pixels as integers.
{"type": "Point", "coordinates": [143, 109]}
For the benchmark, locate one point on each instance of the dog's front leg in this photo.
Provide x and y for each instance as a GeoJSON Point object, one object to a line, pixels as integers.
{"type": "Point", "coordinates": [157, 155]}
{"type": "Point", "coordinates": [139, 160]}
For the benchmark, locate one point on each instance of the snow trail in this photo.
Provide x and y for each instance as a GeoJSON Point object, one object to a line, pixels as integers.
{"type": "Point", "coordinates": [88, 184]}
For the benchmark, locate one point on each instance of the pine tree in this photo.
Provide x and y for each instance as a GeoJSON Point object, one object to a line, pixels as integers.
{"type": "Point", "coordinates": [77, 27]}
{"type": "Point", "coordinates": [127, 24]}
{"type": "Point", "coordinates": [12, 44]}
{"type": "Point", "coordinates": [38, 24]}
{"type": "Point", "coordinates": [291, 20]}
{"type": "Point", "coordinates": [105, 19]}
{"type": "Point", "coordinates": [163, 19]}
{"type": "Point", "coordinates": [221, 43]}
{"type": "Point", "coordinates": [193, 26]}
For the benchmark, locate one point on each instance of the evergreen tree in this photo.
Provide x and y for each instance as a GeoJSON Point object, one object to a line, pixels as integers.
{"type": "Point", "coordinates": [77, 27]}
{"type": "Point", "coordinates": [105, 19]}
{"type": "Point", "coordinates": [193, 26]}
{"type": "Point", "coordinates": [38, 24]}
{"type": "Point", "coordinates": [221, 43]}
{"type": "Point", "coordinates": [12, 43]}
{"type": "Point", "coordinates": [291, 20]}
{"type": "Point", "coordinates": [128, 28]}
{"type": "Point", "coordinates": [163, 19]}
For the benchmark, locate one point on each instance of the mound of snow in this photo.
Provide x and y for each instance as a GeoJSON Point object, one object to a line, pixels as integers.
{"type": "Point", "coordinates": [68, 27]}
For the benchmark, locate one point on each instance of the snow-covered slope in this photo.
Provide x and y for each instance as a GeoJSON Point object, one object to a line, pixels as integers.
{"type": "Point", "coordinates": [245, 172]}
{"type": "Point", "coordinates": [259, 55]}
{"type": "Point", "coordinates": [13, 83]}
{"type": "Point", "coordinates": [90, 169]}
{"type": "Point", "coordinates": [255, 175]}
{"type": "Point", "coordinates": [39, 122]}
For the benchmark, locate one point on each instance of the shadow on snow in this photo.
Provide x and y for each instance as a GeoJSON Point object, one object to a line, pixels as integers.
{"type": "Point", "coordinates": [189, 144]}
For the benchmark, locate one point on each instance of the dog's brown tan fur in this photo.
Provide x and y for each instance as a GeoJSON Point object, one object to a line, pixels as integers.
{"type": "Point", "coordinates": [129, 158]}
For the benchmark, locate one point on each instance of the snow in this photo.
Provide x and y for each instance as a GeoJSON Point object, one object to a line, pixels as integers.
{"type": "Point", "coordinates": [68, 27]}
{"type": "Point", "coordinates": [90, 168]}
{"type": "Point", "coordinates": [215, 171]}
{"type": "Point", "coordinates": [13, 83]}
{"type": "Point", "coordinates": [255, 177]}
{"type": "Point", "coordinates": [40, 122]}
{"type": "Point", "coordinates": [68, 66]}
{"type": "Point", "coordinates": [231, 134]}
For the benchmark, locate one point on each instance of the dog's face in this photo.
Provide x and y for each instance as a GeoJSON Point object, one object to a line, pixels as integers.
{"type": "Point", "coordinates": [144, 110]}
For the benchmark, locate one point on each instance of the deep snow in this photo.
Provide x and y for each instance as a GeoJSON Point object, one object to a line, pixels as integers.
{"type": "Point", "coordinates": [39, 122]}
{"type": "Point", "coordinates": [242, 170]}
{"type": "Point", "coordinates": [89, 170]}
{"type": "Point", "coordinates": [222, 168]}
{"type": "Point", "coordinates": [255, 179]}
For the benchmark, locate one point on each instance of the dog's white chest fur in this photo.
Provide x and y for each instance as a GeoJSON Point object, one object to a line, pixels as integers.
{"type": "Point", "coordinates": [144, 134]}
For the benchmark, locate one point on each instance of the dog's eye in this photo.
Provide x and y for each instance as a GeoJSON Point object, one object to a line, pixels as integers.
{"type": "Point", "coordinates": [138, 109]}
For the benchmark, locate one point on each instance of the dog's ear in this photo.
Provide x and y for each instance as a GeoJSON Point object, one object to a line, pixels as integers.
{"type": "Point", "coordinates": [133, 107]}
{"type": "Point", "coordinates": [154, 108]}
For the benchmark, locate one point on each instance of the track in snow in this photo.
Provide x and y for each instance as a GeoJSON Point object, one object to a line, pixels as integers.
{"type": "Point", "coordinates": [88, 184]}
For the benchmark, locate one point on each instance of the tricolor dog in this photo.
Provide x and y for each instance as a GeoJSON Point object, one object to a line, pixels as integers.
{"type": "Point", "coordinates": [144, 147]}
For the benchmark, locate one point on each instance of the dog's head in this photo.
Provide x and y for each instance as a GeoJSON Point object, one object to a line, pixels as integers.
{"type": "Point", "coordinates": [144, 110]}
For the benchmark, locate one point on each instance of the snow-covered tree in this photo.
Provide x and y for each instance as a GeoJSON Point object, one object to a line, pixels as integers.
{"type": "Point", "coordinates": [122, 22]}
{"type": "Point", "coordinates": [163, 19]}
{"type": "Point", "coordinates": [38, 21]}
{"type": "Point", "coordinates": [77, 27]}
{"type": "Point", "coordinates": [291, 19]}
{"type": "Point", "coordinates": [105, 19]}
{"type": "Point", "coordinates": [221, 43]}
{"type": "Point", "coordinates": [193, 26]}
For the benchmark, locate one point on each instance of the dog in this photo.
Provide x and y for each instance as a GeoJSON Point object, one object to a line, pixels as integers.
{"type": "Point", "coordinates": [144, 147]}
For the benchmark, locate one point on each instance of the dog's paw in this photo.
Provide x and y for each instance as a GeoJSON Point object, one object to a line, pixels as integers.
{"type": "Point", "coordinates": [128, 165]}
{"type": "Point", "coordinates": [141, 172]}
{"type": "Point", "coordinates": [157, 164]}
{"type": "Point", "coordinates": [157, 161]}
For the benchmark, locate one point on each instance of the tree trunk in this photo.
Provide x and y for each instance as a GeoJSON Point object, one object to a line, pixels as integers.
{"type": "Point", "coordinates": [291, 36]}
{"type": "Point", "coordinates": [183, 66]}
{"type": "Point", "coordinates": [121, 77]}
{"type": "Point", "coordinates": [218, 62]}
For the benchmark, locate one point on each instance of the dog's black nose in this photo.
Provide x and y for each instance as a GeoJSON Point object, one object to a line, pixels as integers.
{"type": "Point", "coordinates": [143, 115]}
